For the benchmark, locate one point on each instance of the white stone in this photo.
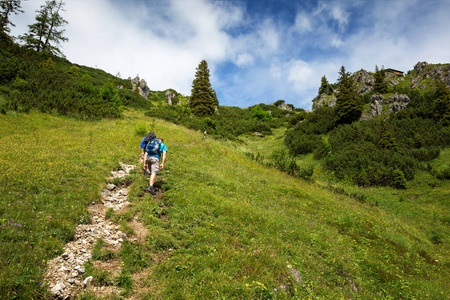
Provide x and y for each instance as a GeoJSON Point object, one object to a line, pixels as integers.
{"type": "Point", "coordinates": [58, 288]}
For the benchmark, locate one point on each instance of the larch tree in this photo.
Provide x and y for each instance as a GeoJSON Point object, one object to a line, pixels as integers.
{"type": "Point", "coordinates": [46, 34]}
{"type": "Point", "coordinates": [203, 100]}
{"type": "Point", "coordinates": [8, 7]}
{"type": "Point", "coordinates": [348, 102]}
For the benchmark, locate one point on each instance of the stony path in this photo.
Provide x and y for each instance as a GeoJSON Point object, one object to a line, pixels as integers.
{"type": "Point", "coordinates": [64, 273]}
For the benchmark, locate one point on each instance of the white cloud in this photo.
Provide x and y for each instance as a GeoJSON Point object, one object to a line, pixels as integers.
{"type": "Point", "coordinates": [269, 36]}
{"type": "Point", "coordinates": [336, 41]}
{"type": "Point", "coordinates": [244, 60]}
{"type": "Point", "coordinates": [164, 41]}
{"type": "Point", "coordinates": [299, 75]}
{"type": "Point", "coordinates": [340, 15]}
{"type": "Point", "coordinates": [302, 22]}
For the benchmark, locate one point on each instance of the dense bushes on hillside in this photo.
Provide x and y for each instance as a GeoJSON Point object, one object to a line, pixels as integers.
{"type": "Point", "coordinates": [305, 137]}
{"type": "Point", "coordinates": [131, 99]}
{"type": "Point", "coordinates": [380, 151]}
{"type": "Point", "coordinates": [227, 122]}
{"type": "Point", "coordinates": [52, 84]}
{"type": "Point", "coordinates": [371, 152]}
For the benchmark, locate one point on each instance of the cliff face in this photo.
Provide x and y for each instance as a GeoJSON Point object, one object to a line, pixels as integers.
{"type": "Point", "coordinates": [423, 76]}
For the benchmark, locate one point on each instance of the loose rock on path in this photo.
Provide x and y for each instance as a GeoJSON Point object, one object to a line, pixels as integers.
{"type": "Point", "coordinates": [64, 273]}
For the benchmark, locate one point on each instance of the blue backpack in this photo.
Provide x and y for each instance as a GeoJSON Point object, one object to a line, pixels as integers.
{"type": "Point", "coordinates": [153, 147]}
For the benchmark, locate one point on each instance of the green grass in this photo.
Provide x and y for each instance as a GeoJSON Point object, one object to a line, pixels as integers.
{"type": "Point", "coordinates": [226, 226]}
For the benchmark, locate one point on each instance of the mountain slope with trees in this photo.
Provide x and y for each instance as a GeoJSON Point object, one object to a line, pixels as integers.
{"type": "Point", "coordinates": [360, 209]}
{"type": "Point", "coordinates": [386, 149]}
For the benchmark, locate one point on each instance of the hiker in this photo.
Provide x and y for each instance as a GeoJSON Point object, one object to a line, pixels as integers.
{"type": "Point", "coordinates": [150, 136]}
{"type": "Point", "coordinates": [155, 152]}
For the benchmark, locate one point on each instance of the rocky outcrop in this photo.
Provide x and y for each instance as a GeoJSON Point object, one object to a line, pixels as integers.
{"type": "Point", "coordinates": [366, 81]}
{"type": "Point", "coordinates": [380, 106]}
{"type": "Point", "coordinates": [424, 75]}
{"type": "Point", "coordinates": [169, 96]}
{"type": "Point", "coordinates": [323, 100]}
{"type": "Point", "coordinates": [393, 79]}
{"type": "Point", "coordinates": [423, 71]}
{"type": "Point", "coordinates": [141, 85]}
{"type": "Point", "coordinates": [282, 105]}
{"type": "Point", "coordinates": [285, 106]}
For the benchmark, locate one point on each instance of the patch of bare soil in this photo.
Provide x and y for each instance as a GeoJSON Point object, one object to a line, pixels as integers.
{"type": "Point", "coordinates": [140, 232]}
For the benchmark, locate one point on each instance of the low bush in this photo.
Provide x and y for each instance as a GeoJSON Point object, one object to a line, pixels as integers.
{"type": "Point", "coordinates": [303, 143]}
{"type": "Point", "coordinates": [366, 165]}
{"type": "Point", "coordinates": [131, 99]}
{"type": "Point", "coordinates": [443, 173]}
{"type": "Point", "coordinates": [287, 163]}
{"type": "Point", "coordinates": [228, 123]}
{"type": "Point", "coordinates": [425, 154]}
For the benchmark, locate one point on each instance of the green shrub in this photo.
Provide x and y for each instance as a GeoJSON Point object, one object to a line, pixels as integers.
{"type": "Point", "coordinates": [398, 180]}
{"type": "Point", "coordinates": [321, 151]}
{"type": "Point", "coordinates": [140, 129]}
{"type": "Point", "coordinates": [443, 173]}
{"type": "Point", "coordinates": [304, 143]}
{"type": "Point", "coordinates": [425, 154]}
{"type": "Point", "coordinates": [227, 123]}
{"type": "Point", "coordinates": [259, 114]}
{"type": "Point", "coordinates": [367, 165]}
{"type": "Point", "coordinates": [131, 99]}
{"type": "Point", "coordinates": [287, 163]}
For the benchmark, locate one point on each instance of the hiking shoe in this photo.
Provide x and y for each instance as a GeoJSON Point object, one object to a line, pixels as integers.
{"type": "Point", "coordinates": [151, 190]}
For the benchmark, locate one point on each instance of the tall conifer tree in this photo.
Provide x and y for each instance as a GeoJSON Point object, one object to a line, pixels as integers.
{"type": "Point", "coordinates": [46, 34]}
{"type": "Point", "coordinates": [380, 83]}
{"type": "Point", "coordinates": [442, 102]}
{"type": "Point", "coordinates": [8, 7]}
{"type": "Point", "coordinates": [348, 102]}
{"type": "Point", "coordinates": [203, 99]}
{"type": "Point", "coordinates": [325, 87]}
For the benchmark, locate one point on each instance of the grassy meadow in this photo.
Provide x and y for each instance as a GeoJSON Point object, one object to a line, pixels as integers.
{"type": "Point", "coordinates": [226, 227]}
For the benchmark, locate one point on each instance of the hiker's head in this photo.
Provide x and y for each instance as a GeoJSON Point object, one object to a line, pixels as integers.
{"type": "Point", "coordinates": [161, 139]}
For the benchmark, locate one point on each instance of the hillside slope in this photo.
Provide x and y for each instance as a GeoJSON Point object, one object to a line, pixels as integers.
{"type": "Point", "coordinates": [226, 227]}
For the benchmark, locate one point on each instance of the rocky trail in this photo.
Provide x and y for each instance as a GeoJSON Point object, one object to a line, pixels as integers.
{"type": "Point", "coordinates": [65, 274]}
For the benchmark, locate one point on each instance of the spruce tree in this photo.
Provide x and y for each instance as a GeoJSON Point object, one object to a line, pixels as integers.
{"type": "Point", "coordinates": [325, 87]}
{"type": "Point", "coordinates": [8, 7]}
{"type": "Point", "coordinates": [442, 102]}
{"type": "Point", "coordinates": [380, 86]}
{"type": "Point", "coordinates": [203, 99]}
{"type": "Point", "coordinates": [348, 102]}
{"type": "Point", "coordinates": [387, 140]}
{"type": "Point", "coordinates": [46, 34]}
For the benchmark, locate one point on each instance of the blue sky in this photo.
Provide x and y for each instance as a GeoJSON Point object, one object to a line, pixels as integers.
{"type": "Point", "coordinates": [257, 51]}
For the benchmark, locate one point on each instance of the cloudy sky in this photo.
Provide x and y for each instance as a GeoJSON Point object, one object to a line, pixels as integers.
{"type": "Point", "coordinates": [258, 51]}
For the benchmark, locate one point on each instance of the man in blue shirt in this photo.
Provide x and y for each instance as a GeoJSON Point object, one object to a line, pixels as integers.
{"type": "Point", "coordinates": [150, 136]}
{"type": "Point", "coordinates": [151, 161]}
